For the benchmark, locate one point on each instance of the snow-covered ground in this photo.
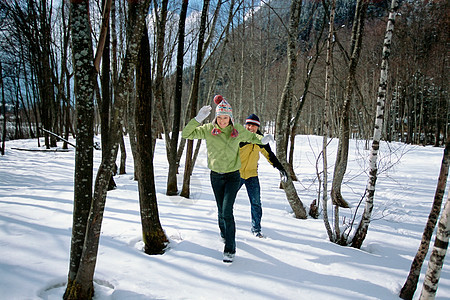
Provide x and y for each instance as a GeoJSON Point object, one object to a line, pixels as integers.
{"type": "Point", "coordinates": [294, 261]}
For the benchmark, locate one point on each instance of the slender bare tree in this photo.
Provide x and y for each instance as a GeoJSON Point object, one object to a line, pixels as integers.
{"type": "Point", "coordinates": [282, 123]}
{"type": "Point", "coordinates": [344, 131]}
{"type": "Point", "coordinates": [310, 65]}
{"type": "Point", "coordinates": [326, 116]}
{"type": "Point", "coordinates": [217, 64]}
{"type": "Point", "coordinates": [363, 227]}
{"type": "Point", "coordinates": [104, 102]}
{"type": "Point", "coordinates": [185, 191]}
{"type": "Point", "coordinates": [3, 134]}
{"type": "Point", "coordinates": [154, 238]}
{"type": "Point", "coordinates": [172, 144]}
{"type": "Point", "coordinates": [160, 13]}
{"type": "Point", "coordinates": [64, 85]}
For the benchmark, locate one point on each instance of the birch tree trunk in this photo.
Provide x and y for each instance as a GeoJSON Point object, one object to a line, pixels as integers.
{"type": "Point", "coordinates": [361, 232]}
{"type": "Point", "coordinates": [282, 121]}
{"type": "Point", "coordinates": [326, 115]}
{"type": "Point", "coordinates": [409, 288]}
{"type": "Point", "coordinates": [437, 257]}
{"type": "Point", "coordinates": [344, 132]}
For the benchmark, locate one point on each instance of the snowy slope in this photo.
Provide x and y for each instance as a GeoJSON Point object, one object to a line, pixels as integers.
{"type": "Point", "coordinates": [294, 261]}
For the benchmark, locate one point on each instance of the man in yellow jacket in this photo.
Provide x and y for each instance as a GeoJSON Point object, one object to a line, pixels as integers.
{"type": "Point", "coordinates": [249, 154]}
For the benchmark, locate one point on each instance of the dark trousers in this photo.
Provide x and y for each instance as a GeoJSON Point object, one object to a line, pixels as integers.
{"type": "Point", "coordinates": [254, 192]}
{"type": "Point", "coordinates": [225, 187]}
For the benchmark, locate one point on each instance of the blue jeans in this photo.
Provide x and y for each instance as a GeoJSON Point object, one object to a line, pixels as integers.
{"type": "Point", "coordinates": [225, 187]}
{"type": "Point", "coordinates": [254, 195]}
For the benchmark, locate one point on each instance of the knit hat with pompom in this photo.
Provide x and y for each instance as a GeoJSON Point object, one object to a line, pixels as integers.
{"type": "Point", "coordinates": [223, 108]}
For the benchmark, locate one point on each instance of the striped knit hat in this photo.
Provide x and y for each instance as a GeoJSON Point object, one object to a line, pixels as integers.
{"type": "Point", "coordinates": [253, 119]}
{"type": "Point", "coordinates": [223, 107]}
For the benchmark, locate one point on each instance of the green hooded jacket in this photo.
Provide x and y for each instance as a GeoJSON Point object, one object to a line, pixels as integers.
{"type": "Point", "coordinates": [223, 150]}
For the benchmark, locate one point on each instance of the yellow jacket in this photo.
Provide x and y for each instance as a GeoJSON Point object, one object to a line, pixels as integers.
{"type": "Point", "coordinates": [249, 154]}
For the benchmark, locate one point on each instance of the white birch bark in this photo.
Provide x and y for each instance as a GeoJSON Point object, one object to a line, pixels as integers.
{"type": "Point", "coordinates": [370, 189]}
{"type": "Point", "coordinates": [430, 284]}
{"type": "Point", "coordinates": [410, 285]}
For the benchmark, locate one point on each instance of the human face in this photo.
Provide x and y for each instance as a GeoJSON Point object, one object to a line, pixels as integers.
{"type": "Point", "coordinates": [223, 121]}
{"type": "Point", "coordinates": [251, 127]}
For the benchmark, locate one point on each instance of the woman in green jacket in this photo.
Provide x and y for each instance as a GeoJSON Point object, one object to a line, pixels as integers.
{"type": "Point", "coordinates": [222, 142]}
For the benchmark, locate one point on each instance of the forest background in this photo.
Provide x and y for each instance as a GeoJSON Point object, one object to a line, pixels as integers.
{"type": "Point", "coordinates": [246, 64]}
